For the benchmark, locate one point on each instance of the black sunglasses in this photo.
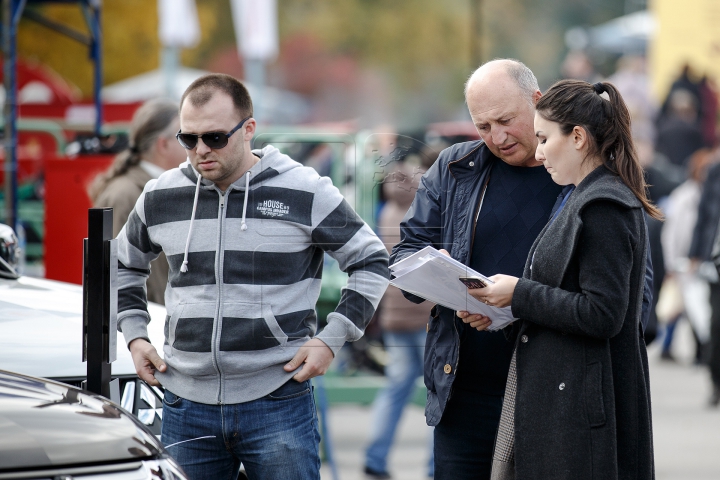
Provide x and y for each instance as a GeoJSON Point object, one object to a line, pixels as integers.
{"type": "Point", "coordinates": [212, 140]}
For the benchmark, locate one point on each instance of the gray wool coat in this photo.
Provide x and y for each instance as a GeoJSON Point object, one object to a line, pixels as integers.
{"type": "Point", "coordinates": [582, 408]}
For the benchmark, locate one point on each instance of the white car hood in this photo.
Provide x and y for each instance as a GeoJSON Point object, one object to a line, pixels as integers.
{"type": "Point", "coordinates": [41, 330]}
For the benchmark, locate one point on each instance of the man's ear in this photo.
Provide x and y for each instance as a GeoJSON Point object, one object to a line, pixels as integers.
{"type": "Point", "coordinates": [536, 96]}
{"type": "Point", "coordinates": [249, 129]}
{"type": "Point", "coordinates": [580, 137]}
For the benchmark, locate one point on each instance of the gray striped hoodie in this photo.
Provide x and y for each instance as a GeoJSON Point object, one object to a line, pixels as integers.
{"type": "Point", "coordinates": [254, 258]}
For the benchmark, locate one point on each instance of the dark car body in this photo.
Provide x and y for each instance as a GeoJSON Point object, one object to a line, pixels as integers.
{"type": "Point", "coordinates": [41, 335]}
{"type": "Point", "coordinates": [50, 430]}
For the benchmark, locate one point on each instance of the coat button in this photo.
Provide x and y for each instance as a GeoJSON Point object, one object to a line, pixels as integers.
{"type": "Point", "coordinates": [472, 164]}
{"type": "Point", "coordinates": [447, 368]}
{"type": "Point", "coordinates": [562, 386]}
{"type": "Point", "coordinates": [524, 339]}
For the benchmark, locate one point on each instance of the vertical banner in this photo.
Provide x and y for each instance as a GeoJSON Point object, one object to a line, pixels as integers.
{"type": "Point", "coordinates": [256, 34]}
{"type": "Point", "coordinates": [178, 23]}
{"type": "Point", "coordinates": [256, 30]}
{"type": "Point", "coordinates": [178, 27]}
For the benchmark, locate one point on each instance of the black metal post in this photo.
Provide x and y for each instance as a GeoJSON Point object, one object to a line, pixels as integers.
{"type": "Point", "coordinates": [12, 11]}
{"type": "Point", "coordinates": [91, 10]}
{"type": "Point", "coordinates": [100, 301]}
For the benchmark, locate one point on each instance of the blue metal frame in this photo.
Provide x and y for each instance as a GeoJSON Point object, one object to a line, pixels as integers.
{"type": "Point", "coordinates": [12, 13]}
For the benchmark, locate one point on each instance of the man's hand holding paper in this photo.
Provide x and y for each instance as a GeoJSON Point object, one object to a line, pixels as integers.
{"type": "Point", "coordinates": [433, 275]}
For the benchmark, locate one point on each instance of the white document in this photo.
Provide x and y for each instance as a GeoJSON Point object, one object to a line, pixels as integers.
{"type": "Point", "coordinates": [433, 276]}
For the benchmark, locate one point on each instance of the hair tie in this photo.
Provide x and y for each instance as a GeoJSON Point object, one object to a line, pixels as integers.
{"type": "Point", "coordinates": [599, 88]}
{"type": "Point", "coordinates": [134, 150]}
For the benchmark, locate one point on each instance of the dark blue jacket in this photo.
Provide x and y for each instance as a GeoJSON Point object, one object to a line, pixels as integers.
{"type": "Point", "coordinates": [442, 215]}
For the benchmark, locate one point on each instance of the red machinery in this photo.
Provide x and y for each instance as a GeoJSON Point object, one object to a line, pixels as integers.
{"type": "Point", "coordinates": [51, 116]}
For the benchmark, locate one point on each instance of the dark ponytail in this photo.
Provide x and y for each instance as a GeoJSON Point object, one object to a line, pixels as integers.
{"type": "Point", "coordinates": [576, 103]}
{"type": "Point", "coordinates": [150, 121]}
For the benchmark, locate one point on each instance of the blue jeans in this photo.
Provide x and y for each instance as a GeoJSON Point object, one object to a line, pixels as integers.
{"type": "Point", "coordinates": [405, 365]}
{"type": "Point", "coordinates": [274, 437]}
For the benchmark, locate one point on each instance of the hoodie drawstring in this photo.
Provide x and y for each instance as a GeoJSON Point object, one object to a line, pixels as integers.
{"type": "Point", "coordinates": [184, 267]}
{"type": "Point", "coordinates": [243, 225]}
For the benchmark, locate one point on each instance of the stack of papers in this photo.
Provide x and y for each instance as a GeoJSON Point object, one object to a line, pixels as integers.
{"type": "Point", "coordinates": [433, 276]}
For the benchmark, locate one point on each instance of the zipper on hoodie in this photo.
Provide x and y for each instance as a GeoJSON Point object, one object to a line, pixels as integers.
{"type": "Point", "coordinates": [219, 279]}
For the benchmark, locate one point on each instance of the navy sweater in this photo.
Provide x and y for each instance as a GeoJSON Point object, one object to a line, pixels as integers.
{"type": "Point", "coordinates": [517, 205]}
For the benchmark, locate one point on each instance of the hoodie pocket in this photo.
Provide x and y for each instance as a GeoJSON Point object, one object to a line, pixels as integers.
{"type": "Point", "coordinates": [250, 327]}
{"type": "Point", "coordinates": [190, 334]}
{"type": "Point", "coordinates": [191, 327]}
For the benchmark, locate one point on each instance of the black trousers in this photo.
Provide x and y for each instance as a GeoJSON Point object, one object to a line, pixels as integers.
{"type": "Point", "coordinates": [714, 357]}
{"type": "Point", "coordinates": [465, 436]}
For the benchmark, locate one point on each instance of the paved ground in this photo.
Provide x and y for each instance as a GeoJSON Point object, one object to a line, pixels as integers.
{"type": "Point", "coordinates": [687, 432]}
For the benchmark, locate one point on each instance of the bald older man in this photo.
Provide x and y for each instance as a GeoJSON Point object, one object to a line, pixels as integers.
{"type": "Point", "coordinates": [484, 202]}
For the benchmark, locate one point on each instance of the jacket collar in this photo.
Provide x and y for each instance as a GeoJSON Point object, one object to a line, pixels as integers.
{"type": "Point", "coordinates": [601, 182]}
{"type": "Point", "coordinates": [471, 160]}
{"type": "Point", "coordinates": [563, 234]}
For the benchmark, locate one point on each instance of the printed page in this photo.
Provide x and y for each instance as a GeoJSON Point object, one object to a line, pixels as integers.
{"type": "Point", "coordinates": [436, 278]}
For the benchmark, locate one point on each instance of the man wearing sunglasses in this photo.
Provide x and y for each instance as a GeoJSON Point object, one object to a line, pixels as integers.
{"type": "Point", "coordinates": [245, 232]}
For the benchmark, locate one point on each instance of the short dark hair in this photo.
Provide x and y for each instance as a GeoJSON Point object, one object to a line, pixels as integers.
{"type": "Point", "coordinates": [201, 91]}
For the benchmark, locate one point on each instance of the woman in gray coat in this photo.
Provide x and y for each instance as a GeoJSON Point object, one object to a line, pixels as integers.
{"type": "Point", "coordinates": [577, 402]}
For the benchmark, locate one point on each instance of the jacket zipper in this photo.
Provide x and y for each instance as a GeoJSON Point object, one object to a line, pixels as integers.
{"type": "Point", "coordinates": [472, 242]}
{"type": "Point", "coordinates": [477, 214]}
{"type": "Point", "coordinates": [218, 309]}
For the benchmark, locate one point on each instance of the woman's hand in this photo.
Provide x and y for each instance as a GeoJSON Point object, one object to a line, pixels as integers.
{"type": "Point", "coordinates": [475, 320]}
{"type": "Point", "coordinates": [498, 294]}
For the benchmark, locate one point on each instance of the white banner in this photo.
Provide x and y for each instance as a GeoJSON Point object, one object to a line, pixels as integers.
{"type": "Point", "coordinates": [178, 23]}
{"type": "Point", "coordinates": [256, 29]}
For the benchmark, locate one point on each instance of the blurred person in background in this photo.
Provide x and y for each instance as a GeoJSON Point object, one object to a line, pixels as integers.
{"type": "Point", "coordinates": [403, 327]}
{"type": "Point", "coordinates": [631, 80]}
{"type": "Point", "coordinates": [685, 81]}
{"type": "Point", "coordinates": [577, 65]}
{"type": "Point", "coordinates": [151, 151]}
{"type": "Point", "coordinates": [700, 254]}
{"type": "Point", "coordinates": [679, 134]}
{"type": "Point", "coordinates": [681, 211]}
{"type": "Point", "coordinates": [661, 178]}
{"type": "Point", "coordinates": [709, 118]}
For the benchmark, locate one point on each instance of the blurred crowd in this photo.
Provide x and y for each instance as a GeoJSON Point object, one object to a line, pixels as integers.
{"type": "Point", "coordinates": [677, 143]}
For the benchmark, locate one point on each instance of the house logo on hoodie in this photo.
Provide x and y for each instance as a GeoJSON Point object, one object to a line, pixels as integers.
{"type": "Point", "coordinates": [273, 208]}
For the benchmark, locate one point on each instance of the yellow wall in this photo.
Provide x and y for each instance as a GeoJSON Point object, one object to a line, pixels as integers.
{"type": "Point", "coordinates": [688, 31]}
